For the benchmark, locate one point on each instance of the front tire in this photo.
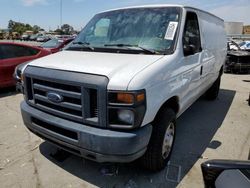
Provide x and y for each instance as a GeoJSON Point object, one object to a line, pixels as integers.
{"type": "Point", "coordinates": [213, 92]}
{"type": "Point", "coordinates": [161, 142]}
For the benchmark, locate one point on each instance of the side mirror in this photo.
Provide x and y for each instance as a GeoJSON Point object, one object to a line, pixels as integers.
{"type": "Point", "coordinates": [189, 49]}
{"type": "Point", "coordinates": [226, 174]}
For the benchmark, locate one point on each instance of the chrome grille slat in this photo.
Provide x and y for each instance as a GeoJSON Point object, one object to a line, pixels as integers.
{"type": "Point", "coordinates": [60, 91]}
{"type": "Point", "coordinates": [62, 114]}
{"type": "Point", "coordinates": [62, 104]}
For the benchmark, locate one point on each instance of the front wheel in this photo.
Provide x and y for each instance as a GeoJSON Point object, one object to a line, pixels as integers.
{"type": "Point", "coordinates": [213, 91]}
{"type": "Point", "coordinates": [161, 142]}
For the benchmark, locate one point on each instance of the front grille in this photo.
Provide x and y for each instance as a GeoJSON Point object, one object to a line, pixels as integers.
{"type": "Point", "coordinates": [244, 60]}
{"type": "Point", "coordinates": [80, 100]}
{"type": "Point", "coordinates": [71, 107]}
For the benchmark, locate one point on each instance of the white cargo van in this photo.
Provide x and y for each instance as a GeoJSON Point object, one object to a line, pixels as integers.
{"type": "Point", "coordinates": [113, 95]}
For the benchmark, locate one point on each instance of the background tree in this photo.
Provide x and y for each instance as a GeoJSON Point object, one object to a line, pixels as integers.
{"type": "Point", "coordinates": [59, 31]}
{"type": "Point", "coordinates": [11, 25]}
{"type": "Point", "coordinates": [22, 27]}
{"type": "Point", "coordinates": [67, 29]}
{"type": "Point", "coordinates": [36, 29]}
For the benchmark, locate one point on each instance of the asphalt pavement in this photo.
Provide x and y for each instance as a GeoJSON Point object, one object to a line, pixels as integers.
{"type": "Point", "coordinates": [217, 129]}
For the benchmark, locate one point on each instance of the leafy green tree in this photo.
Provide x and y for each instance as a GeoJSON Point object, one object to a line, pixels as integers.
{"type": "Point", "coordinates": [22, 27]}
{"type": "Point", "coordinates": [67, 29]}
{"type": "Point", "coordinates": [59, 31]}
{"type": "Point", "coordinates": [11, 25]}
{"type": "Point", "coordinates": [36, 29]}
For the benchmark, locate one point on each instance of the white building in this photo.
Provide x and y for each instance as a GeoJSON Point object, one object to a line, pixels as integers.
{"type": "Point", "coordinates": [234, 28]}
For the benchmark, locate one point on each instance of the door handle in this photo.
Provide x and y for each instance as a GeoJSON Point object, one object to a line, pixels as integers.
{"type": "Point", "coordinates": [201, 71]}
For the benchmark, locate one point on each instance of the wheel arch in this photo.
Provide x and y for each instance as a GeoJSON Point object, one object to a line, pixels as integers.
{"type": "Point", "coordinates": [172, 103]}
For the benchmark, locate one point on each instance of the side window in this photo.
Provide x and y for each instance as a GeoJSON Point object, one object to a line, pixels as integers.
{"type": "Point", "coordinates": [14, 51]}
{"type": "Point", "coordinates": [1, 53]}
{"type": "Point", "coordinates": [242, 43]}
{"type": "Point", "coordinates": [6, 51]}
{"type": "Point", "coordinates": [32, 51]}
{"type": "Point", "coordinates": [191, 35]}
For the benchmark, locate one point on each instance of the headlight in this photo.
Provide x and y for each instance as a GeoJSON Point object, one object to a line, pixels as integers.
{"type": "Point", "coordinates": [18, 74]}
{"type": "Point", "coordinates": [126, 109]}
{"type": "Point", "coordinates": [126, 116]}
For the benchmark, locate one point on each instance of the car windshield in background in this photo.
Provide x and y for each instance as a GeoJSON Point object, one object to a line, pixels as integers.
{"type": "Point", "coordinates": [242, 43]}
{"type": "Point", "coordinates": [140, 30]}
{"type": "Point", "coordinates": [53, 43]}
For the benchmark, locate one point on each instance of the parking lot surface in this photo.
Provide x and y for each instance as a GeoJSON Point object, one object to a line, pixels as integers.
{"type": "Point", "coordinates": [217, 129]}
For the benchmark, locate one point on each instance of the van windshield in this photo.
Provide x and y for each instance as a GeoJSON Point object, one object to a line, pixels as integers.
{"type": "Point", "coordinates": [136, 30]}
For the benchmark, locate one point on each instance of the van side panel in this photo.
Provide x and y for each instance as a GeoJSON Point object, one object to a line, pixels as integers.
{"type": "Point", "coordinates": [214, 47]}
{"type": "Point", "coordinates": [172, 76]}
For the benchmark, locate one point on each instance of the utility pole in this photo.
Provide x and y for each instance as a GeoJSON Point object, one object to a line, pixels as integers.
{"type": "Point", "coordinates": [60, 14]}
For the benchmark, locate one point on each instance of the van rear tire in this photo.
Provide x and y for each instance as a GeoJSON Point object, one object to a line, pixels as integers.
{"type": "Point", "coordinates": [158, 153]}
{"type": "Point", "coordinates": [213, 92]}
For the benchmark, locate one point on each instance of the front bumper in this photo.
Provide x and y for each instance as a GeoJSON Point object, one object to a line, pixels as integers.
{"type": "Point", "coordinates": [93, 143]}
{"type": "Point", "coordinates": [239, 67]}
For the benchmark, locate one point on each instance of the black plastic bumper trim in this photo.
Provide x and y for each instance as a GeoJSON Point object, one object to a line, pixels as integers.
{"type": "Point", "coordinates": [97, 144]}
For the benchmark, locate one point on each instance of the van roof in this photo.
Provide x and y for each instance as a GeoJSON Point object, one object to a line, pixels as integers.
{"type": "Point", "coordinates": [162, 5]}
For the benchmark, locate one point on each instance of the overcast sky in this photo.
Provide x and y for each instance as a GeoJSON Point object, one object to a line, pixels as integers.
{"type": "Point", "coordinates": [46, 13]}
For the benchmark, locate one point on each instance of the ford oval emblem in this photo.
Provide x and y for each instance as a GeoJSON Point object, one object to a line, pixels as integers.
{"type": "Point", "coordinates": [54, 97]}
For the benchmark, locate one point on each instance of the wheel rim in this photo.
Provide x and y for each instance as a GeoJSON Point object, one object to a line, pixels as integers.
{"type": "Point", "coordinates": [168, 140]}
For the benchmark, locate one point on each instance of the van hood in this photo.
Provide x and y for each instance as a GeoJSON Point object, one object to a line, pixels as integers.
{"type": "Point", "coordinates": [119, 68]}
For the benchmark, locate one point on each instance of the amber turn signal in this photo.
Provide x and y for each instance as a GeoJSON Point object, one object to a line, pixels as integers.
{"type": "Point", "coordinates": [130, 98]}
{"type": "Point", "coordinates": [125, 98]}
{"type": "Point", "coordinates": [22, 77]}
{"type": "Point", "coordinates": [140, 97]}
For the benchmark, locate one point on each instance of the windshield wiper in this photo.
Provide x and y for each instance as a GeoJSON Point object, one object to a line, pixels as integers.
{"type": "Point", "coordinates": [119, 45]}
{"type": "Point", "coordinates": [84, 44]}
{"type": "Point", "coordinates": [147, 50]}
{"type": "Point", "coordinates": [134, 46]}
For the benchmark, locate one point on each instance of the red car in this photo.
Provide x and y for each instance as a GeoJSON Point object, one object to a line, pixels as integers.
{"type": "Point", "coordinates": [13, 54]}
{"type": "Point", "coordinates": [55, 45]}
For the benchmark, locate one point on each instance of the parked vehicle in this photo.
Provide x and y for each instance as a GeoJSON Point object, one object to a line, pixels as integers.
{"type": "Point", "coordinates": [226, 174]}
{"type": "Point", "coordinates": [15, 36]}
{"type": "Point", "coordinates": [64, 37]}
{"type": "Point", "coordinates": [43, 38]}
{"type": "Point", "coordinates": [13, 54]}
{"type": "Point", "coordinates": [25, 37]}
{"type": "Point", "coordinates": [113, 95]}
{"type": "Point", "coordinates": [245, 45]}
{"type": "Point", "coordinates": [35, 36]}
{"type": "Point", "coordinates": [232, 45]}
{"type": "Point", "coordinates": [55, 45]}
{"type": "Point", "coordinates": [238, 60]}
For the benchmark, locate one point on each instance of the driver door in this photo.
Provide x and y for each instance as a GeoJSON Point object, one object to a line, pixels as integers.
{"type": "Point", "coordinates": [192, 63]}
